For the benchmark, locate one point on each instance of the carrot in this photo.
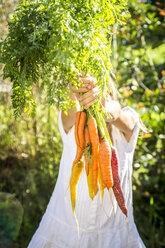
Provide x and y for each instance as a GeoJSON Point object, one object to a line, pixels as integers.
{"type": "Point", "coordinates": [94, 138]}
{"type": "Point", "coordinates": [81, 129]}
{"type": "Point", "coordinates": [87, 142]}
{"type": "Point", "coordinates": [79, 135]}
{"type": "Point", "coordinates": [105, 163]}
{"type": "Point", "coordinates": [120, 199]}
{"type": "Point", "coordinates": [75, 175]}
{"type": "Point", "coordinates": [101, 185]}
{"type": "Point", "coordinates": [90, 183]}
{"type": "Point", "coordinates": [79, 154]}
{"type": "Point", "coordinates": [88, 165]}
{"type": "Point", "coordinates": [117, 187]}
{"type": "Point", "coordinates": [76, 127]}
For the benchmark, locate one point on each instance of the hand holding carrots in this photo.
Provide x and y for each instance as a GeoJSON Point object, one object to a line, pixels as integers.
{"type": "Point", "coordinates": [93, 142]}
{"type": "Point", "coordinates": [89, 89]}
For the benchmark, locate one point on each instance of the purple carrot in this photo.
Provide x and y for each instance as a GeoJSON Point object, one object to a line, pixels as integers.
{"type": "Point", "coordinates": [116, 186]}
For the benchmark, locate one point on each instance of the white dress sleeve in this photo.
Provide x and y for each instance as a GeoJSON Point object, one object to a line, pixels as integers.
{"type": "Point", "coordinates": [130, 146]}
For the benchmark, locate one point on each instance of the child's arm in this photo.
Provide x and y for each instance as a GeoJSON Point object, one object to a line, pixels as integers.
{"type": "Point", "coordinates": [123, 120]}
{"type": "Point", "coordinates": [69, 119]}
{"type": "Point", "coordinates": [90, 97]}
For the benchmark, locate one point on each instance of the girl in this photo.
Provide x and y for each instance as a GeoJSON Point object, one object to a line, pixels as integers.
{"type": "Point", "coordinates": [99, 227]}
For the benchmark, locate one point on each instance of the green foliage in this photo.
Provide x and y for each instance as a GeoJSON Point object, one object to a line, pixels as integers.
{"type": "Point", "coordinates": [11, 213]}
{"type": "Point", "coordinates": [32, 180]}
{"type": "Point", "coordinates": [30, 151]}
{"type": "Point", "coordinates": [55, 41]}
{"type": "Point", "coordinates": [141, 82]}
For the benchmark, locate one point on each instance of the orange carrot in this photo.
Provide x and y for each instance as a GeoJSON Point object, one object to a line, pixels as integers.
{"type": "Point", "coordinates": [94, 138]}
{"type": "Point", "coordinates": [76, 127]}
{"type": "Point", "coordinates": [87, 142]}
{"type": "Point", "coordinates": [79, 154]}
{"type": "Point", "coordinates": [88, 166]}
{"type": "Point", "coordinates": [81, 129]}
{"type": "Point", "coordinates": [117, 187]}
{"type": "Point", "coordinates": [75, 175]}
{"type": "Point", "coordinates": [105, 163]}
{"type": "Point", "coordinates": [79, 135]}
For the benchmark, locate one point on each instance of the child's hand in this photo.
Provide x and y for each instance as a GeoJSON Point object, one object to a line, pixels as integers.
{"type": "Point", "coordinates": [89, 89]}
{"type": "Point", "coordinates": [89, 97]}
{"type": "Point", "coordinates": [87, 83]}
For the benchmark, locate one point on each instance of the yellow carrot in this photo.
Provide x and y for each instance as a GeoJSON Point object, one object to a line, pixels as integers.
{"type": "Point", "coordinates": [75, 175]}
{"type": "Point", "coordinates": [101, 185]}
{"type": "Point", "coordinates": [90, 182]}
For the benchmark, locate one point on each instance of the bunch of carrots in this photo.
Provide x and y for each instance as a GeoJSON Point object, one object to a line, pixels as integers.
{"type": "Point", "coordinates": [101, 160]}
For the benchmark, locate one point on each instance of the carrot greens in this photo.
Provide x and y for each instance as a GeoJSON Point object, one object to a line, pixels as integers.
{"type": "Point", "coordinates": [50, 42]}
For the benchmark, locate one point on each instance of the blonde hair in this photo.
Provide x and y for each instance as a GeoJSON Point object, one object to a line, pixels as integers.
{"type": "Point", "coordinates": [114, 93]}
{"type": "Point", "coordinates": [143, 127]}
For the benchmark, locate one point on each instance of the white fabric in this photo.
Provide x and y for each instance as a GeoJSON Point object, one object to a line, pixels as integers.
{"type": "Point", "coordinates": [99, 227]}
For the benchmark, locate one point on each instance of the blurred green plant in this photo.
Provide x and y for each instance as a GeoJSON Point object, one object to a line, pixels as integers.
{"type": "Point", "coordinates": [139, 62]}
{"type": "Point", "coordinates": [11, 213]}
{"type": "Point", "coordinates": [29, 163]}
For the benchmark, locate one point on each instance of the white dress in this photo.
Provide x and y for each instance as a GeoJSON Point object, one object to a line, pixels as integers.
{"type": "Point", "coordinates": [98, 227]}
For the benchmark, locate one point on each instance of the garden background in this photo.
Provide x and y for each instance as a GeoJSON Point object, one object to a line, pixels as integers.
{"type": "Point", "coordinates": [30, 148]}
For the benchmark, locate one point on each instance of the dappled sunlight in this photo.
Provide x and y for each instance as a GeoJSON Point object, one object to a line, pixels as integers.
{"type": "Point", "coordinates": [31, 145]}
